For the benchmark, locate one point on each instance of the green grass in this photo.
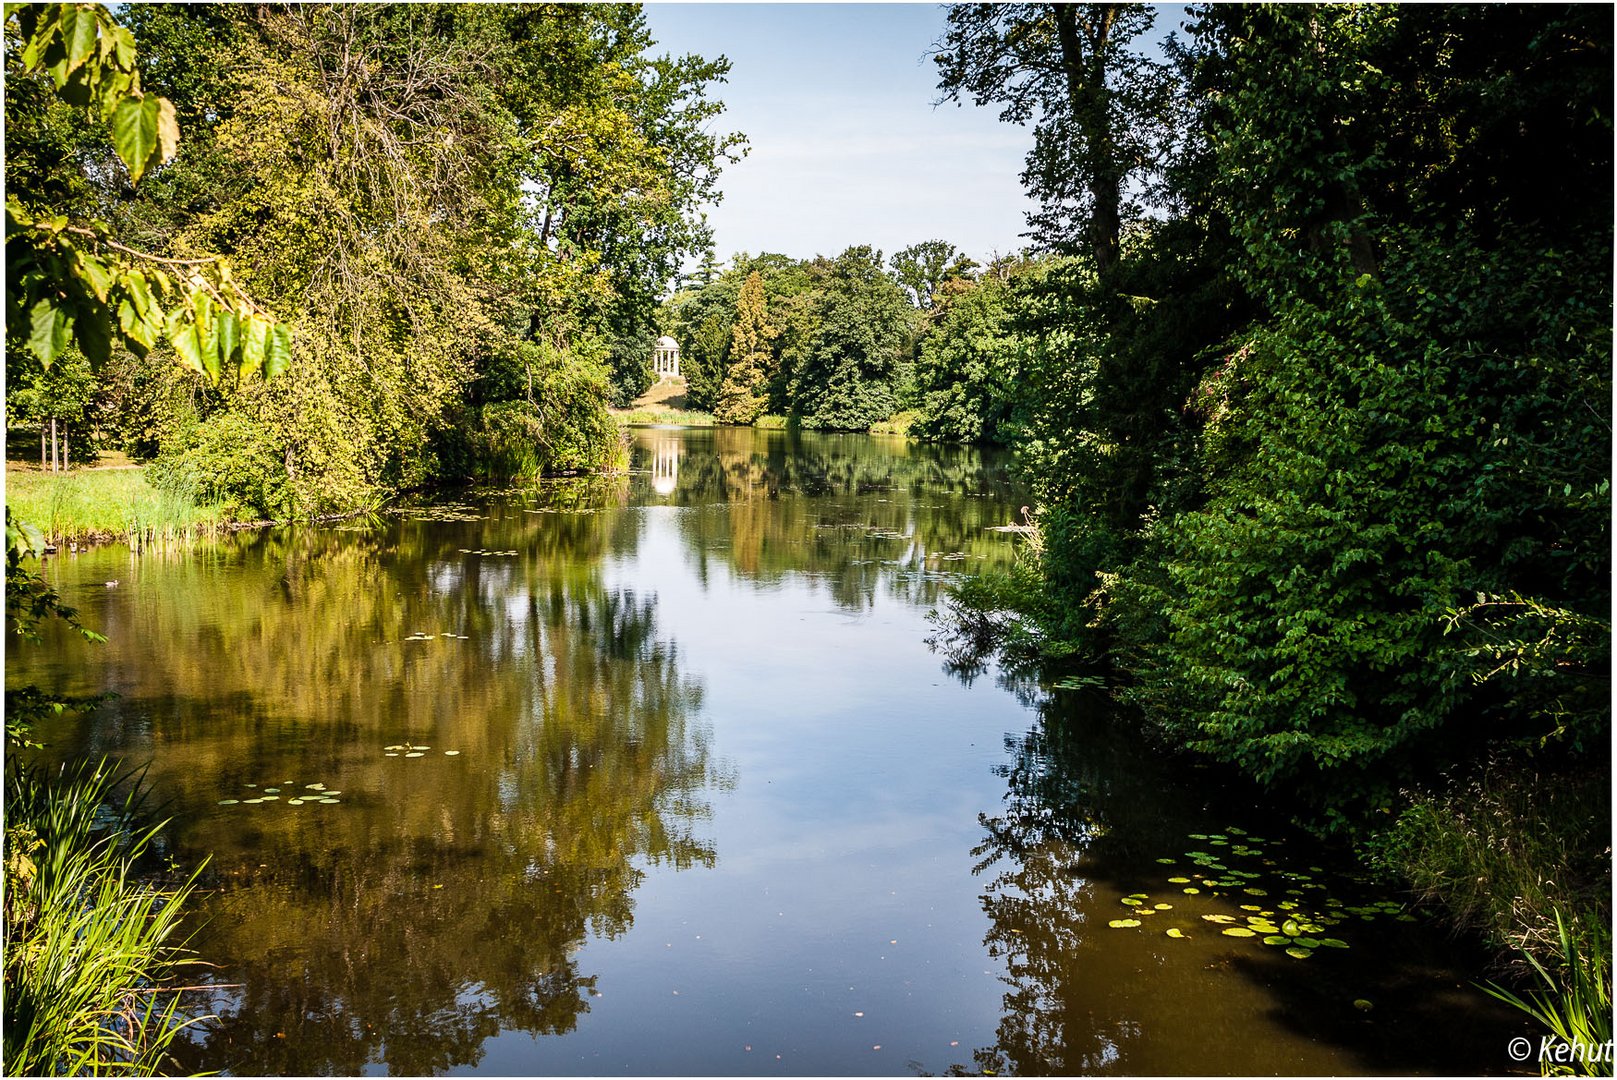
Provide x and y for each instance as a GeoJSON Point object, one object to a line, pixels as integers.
{"type": "Point", "coordinates": [104, 504]}
{"type": "Point", "coordinates": [680, 417]}
{"type": "Point", "coordinates": [91, 946]}
{"type": "Point", "coordinates": [1521, 855]}
{"type": "Point", "coordinates": [897, 424]}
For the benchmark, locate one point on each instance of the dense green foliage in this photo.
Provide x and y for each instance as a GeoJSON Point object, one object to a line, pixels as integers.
{"type": "Point", "coordinates": [1322, 445]}
{"type": "Point", "coordinates": [463, 304]}
{"type": "Point", "coordinates": [1322, 455]}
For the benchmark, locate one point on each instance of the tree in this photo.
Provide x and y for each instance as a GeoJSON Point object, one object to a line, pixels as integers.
{"type": "Point", "coordinates": [855, 367]}
{"type": "Point", "coordinates": [922, 269]}
{"type": "Point", "coordinates": [743, 396]}
{"type": "Point", "coordinates": [968, 376]}
{"type": "Point", "coordinates": [1098, 106]}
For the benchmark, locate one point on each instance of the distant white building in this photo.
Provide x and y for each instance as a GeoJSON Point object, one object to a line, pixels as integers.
{"type": "Point", "coordinates": [665, 358]}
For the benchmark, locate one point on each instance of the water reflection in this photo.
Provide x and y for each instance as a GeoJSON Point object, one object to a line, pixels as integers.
{"type": "Point", "coordinates": [442, 898]}
{"type": "Point", "coordinates": [863, 515]}
{"type": "Point", "coordinates": [1087, 819]}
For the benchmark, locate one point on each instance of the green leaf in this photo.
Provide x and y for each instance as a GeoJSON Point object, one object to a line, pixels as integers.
{"type": "Point", "coordinates": [79, 33]}
{"type": "Point", "coordinates": [207, 334]}
{"type": "Point", "coordinates": [183, 335]}
{"type": "Point", "coordinates": [44, 33]}
{"type": "Point", "coordinates": [168, 131]}
{"type": "Point", "coordinates": [134, 134]}
{"type": "Point", "coordinates": [125, 42]}
{"type": "Point", "coordinates": [93, 272]}
{"type": "Point", "coordinates": [278, 351]}
{"type": "Point", "coordinates": [137, 335]}
{"type": "Point", "coordinates": [229, 334]}
{"type": "Point", "coordinates": [254, 340]}
{"type": "Point", "coordinates": [48, 335]}
{"type": "Point", "coordinates": [95, 339]}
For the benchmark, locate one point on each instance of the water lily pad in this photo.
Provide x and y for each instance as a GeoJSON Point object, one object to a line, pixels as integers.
{"type": "Point", "coordinates": [390, 755]}
{"type": "Point", "coordinates": [272, 791]}
{"type": "Point", "coordinates": [1166, 862]}
{"type": "Point", "coordinates": [415, 753]}
{"type": "Point", "coordinates": [1264, 928]}
{"type": "Point", "coordinates": [1164, 907]}
{"type": "Point", "coordinates": [1219, 918]}
{"type": "Point", "coordinates": [1363, 1004]}
{"type": "Point", "coordinates": [1233, 831]}
{"type": "Point", "coordinates": [294, 802]}
{"type": "Point", "coordinates": [1192, 891]}
{"type": "Point", "coordinates": [251, 785]}
{"type": "Point", "coordinates": [246, 802]}
{"type": "Point", "coordinates": [1175, 932]}
{"type": "Point", "coordinates": [1276, 939]}
{"type": "Point", "coordinates": [329, 802]}
{"type": "Point", "coordinates": [1237, 931]}
{"type": "Point", "coordinates": [324, 795]}
{"type": "Point", "coordinates": [1299, 952]}
{"type": "Point", "coordinates": [398, 747]}
{"type": "Point", "coordinates": [1119, 924]}
{"type": "Point", "coordinates": [314, 787]}
{"type": "Point", "coordinates": [451, 753]}
{"type": "Point", "coordinates": [1308, 942]}
{"type": "Point", "coordinates": [1255, 891]}
{"type": "Point", "coordinates": [228, 802]}
{"type": "Point", "coordinates": [1179, 881]}
{"type": "Point", "coordinates": [1198, 836]}
{"type": "Point", "coordinates": [1291, 927]}
{"type": "Point", "coordinates": [1333, 943]}
{"type": "Point", "coordinates": [1131, 901]}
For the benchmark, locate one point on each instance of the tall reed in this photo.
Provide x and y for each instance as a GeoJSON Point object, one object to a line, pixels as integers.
{"type": "Point", "coordinates": [92, 947]}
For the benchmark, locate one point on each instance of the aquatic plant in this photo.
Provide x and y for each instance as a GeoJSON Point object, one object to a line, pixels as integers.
{"type": "Point", "coordinates": [1577, 1007]}
{"type": "Point", "coordinates": [92, 945]}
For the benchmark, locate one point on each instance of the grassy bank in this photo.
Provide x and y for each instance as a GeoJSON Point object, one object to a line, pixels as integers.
{"type": "Point", "coordinates": [103, 504]}
{"type": "Point", "coordinates": [680, 417]}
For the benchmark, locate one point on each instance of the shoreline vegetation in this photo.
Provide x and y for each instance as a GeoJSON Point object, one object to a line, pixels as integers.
{"type": "Point", "coordinates": [1307, 366]}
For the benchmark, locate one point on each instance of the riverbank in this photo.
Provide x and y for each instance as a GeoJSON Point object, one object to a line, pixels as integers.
{"type": "Point", "coordinates": [95, 505]}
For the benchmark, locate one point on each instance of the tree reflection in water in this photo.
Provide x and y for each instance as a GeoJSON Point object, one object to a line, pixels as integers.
{"type": "Point", "coordinates": [858, 513]}
{"type": "Point", "coordinates": [445, 898]}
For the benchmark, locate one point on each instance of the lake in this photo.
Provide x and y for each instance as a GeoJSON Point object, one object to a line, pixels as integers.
{"type": "Point", "coordinates": [658, 774]}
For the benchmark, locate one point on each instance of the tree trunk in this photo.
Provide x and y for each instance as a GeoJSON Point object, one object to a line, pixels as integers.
{"type": "Point", "coordinates": [1088, 98]}
{"type": "Point", "coordinates": [55, 460]}
{"type": "Point", "coordinates": [42, 465]}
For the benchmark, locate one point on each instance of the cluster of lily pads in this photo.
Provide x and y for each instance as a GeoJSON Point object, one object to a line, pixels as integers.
{"type": "Point", "coordinates": [485, 552]}
{"type": "Point", "coordinates": [422, 635]}
{"type": "Point", "coordinates": [1293, 921]}
{"type": "Point", "coordinates": [445, 512]}
{"type": "Point", "coordinates": [409, 750]}
{"type": "Point", "coordinates": [295, 796]}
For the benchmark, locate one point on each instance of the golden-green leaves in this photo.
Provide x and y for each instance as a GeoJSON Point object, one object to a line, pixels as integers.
{"type": "Point", "coordinates": [91, 59]}
{"type": "Point", "coordinates": [68, 282]}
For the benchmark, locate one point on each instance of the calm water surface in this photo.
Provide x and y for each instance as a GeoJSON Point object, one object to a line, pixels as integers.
{"type": "Point", "coordinates": [657, 774]}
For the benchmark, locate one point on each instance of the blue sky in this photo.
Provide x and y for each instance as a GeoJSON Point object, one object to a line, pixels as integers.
{"type": "Point", "coordinates": [846, 147]}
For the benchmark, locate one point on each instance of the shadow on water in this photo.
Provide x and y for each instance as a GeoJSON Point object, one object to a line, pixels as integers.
{"type": "Point", "coordinates": [1094, 828]}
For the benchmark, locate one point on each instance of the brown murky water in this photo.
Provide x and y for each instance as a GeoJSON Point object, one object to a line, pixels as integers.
{"type": "Point", "coordinates": [657, 775]}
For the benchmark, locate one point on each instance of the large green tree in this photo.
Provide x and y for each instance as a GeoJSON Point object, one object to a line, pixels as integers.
{"type": "Point", "coordinates": [855, 369]}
